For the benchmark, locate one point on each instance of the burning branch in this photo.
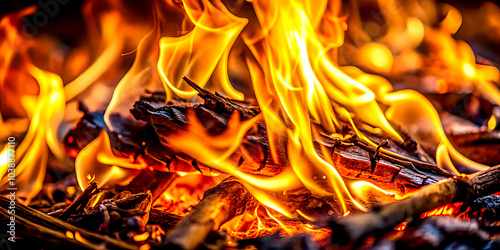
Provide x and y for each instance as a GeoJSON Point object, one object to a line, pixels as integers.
{"type": "Point", "coordinates": [219, 204]}
{"type": "Point", "coordinates": [80, 200]}
{"type": "Point", "coordinates": [216, 101]}
{"type": "Point", "coordinates": [354, 228]}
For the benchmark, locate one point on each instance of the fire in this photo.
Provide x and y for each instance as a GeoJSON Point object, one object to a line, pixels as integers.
{"type": "Point", "coordinates": [492, 122]}
{"type": "Point", "coordinates": [141, 237]}
{"type": "Point", "coordinates": [446, 210]}
{"type": "Point", "coordinates": [98, 162]}
{"type": "Point", "coordinates": [363, 189]}
{"type": "Point", "coordinates": [186, 192]}
{"type": "Point", "coordinates": [261, 222]}
{"type": "Point", "coordinates": [44, 112]}
{"type": "Point", "coordinates": [307, 72]}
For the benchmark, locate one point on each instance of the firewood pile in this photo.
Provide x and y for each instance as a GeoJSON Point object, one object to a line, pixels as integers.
{"type": "Point", "coordinates": [313, 153]}
{"type": "Point", "coordinates": [130, 220]}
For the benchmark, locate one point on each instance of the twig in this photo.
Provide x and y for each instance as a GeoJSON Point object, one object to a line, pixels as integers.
{"type": "Point", "coordinates": [217, 101]}
{"type": "Point", "coordinates": [46, 234]}
{"type": "Point", "coordinates": [84, 197]}
{"type": "Point", "coordinates": [38, 218]}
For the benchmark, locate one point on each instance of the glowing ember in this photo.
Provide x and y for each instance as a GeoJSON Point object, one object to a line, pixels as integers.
{"type": "Point", "coordinates": [185, 192]}
{"type": "Point", "coordinates": [446, 210]}
{"type": "Point", "coordinates": [141, 237]}
{"type": "Point", "coordinates": [261, 222]}
{"type": "Point", "coordinates": [402, 226]}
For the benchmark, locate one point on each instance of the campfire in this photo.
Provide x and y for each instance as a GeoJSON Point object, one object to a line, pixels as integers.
{"type": "Point", "coordinates": [231, 124]}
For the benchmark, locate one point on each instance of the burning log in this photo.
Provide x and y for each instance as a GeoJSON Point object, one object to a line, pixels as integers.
{"type": "Point", "coordinates": [356, 227]}
{"type": "Point", "coordinates": [219, 204]}
{"type": "Point", "coordinates": [354, 157]}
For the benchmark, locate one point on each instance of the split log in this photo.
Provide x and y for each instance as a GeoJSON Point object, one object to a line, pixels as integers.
{"type": "Point", "coordinates": [353, 158]}
{"type": "Point", "coordinates": [219, 205]}
{"type": "Point", "coordinates": [53, 227]}
{"type": "Point", "coordinates": [356, 227]}
{"type": "Point", "coordinates": [393, 171]}
{"type": "Point", "coordinates": [128, 145]}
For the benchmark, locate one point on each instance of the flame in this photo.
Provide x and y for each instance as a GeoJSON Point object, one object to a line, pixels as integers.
{"type": "Point", "coordinates": [141, 237]}
{"type": "Point", "coordinates": [304, 78]}
{"type": "Point", "coordinates": [492, 122]}
{"type": "Point", "coordinates": [44, 112]}
{"type": "Point", "coordinates": [402, 226]}
{"type": "Point", "coordinates": [97, 161]}
{"type": "Point", "coordinates": [185, 192]}
{"type": "Point", "coordinates": [80, 238]}
{"type": "Point", "coordinates": [362, 188]}
{"type": "Point", "coordinates": [295, 75]}
{"type": "Point", "coordinates": [183, 56]}
{"type": "Point", "coordinates": [260, 222]}
{"type": "Point", "coordinates": [446, 210]}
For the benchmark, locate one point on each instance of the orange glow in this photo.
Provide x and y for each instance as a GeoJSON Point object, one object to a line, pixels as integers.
{"type": "Point", "coordinates": [468, 70]}
{"type": "Point", "coordinates": [492, 122]}
{"type": "Point", "coordinates": [446, 210]}
{"type": "Point", "coordinates": [261, 222]}
{"type": "Point", "coordinates": [141, 237]}
{"type": "Point", "coordinates": [185, 192]}
{"type": "Point", "coordinates": [95, 199]}
{"type": "Point", "coordinates": [402, 226]}
{"type": "Point", "coordinates": [145, 247]}
{"type": "Point", "coordinates": [305, 216]}
{"type": "Point", "coordinates": [361, 188]}
{"type": "Point", "coordinates": [377, 57]}
{"type": "Point", "coordinates": [71, 190]}
{"type": "Point", "coordinates": [69, 234]}
{"type": "Point", "coordinates": [98, 162]}
{"type": "Point", "coordinates": [79, 238]}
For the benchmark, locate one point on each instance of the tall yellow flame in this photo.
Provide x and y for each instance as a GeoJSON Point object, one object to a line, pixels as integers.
{"type": "Point", "coordinates": [202, 52]}
{"type": "Point", "coordinates": [31, 154]}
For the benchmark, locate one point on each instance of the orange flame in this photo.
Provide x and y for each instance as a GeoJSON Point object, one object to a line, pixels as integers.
{"type": "Point", "coordinates": [446, 210]}
{"type": "Point", "coordinates": [98, 162]}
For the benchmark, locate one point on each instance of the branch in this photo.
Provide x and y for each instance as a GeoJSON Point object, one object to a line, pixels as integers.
{"type": "Point", "coordinates": [354, 228]}
{"type": "Point", "coordinates": [219, 205]}
{"type": "Point", "coordinates": [38, 219]}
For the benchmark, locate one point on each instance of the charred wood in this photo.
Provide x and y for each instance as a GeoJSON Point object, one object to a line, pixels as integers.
{"type": "Point", "coordinates": [82, 199]}
{"type": "Point", "coordinates": [354, 156]}
{"type": "Point", "coordinates": [37, 222]}
{"type": "Point", "coordinates": [217, 102]}
{"type": "Point", "coordinates": [356, 227]}
{"type": "Point", "coordinates": [219, 204]}
{"type": "Point", "coordinates": [276, 242]}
